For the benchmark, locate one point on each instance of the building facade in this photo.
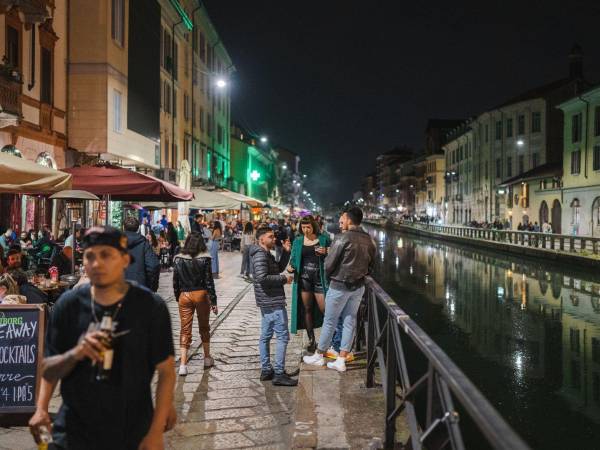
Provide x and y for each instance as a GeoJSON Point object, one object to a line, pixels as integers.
{"type": "Point", "coordinates": [581, 163]}
{"type": "Point", "coordinates": [33, 97]}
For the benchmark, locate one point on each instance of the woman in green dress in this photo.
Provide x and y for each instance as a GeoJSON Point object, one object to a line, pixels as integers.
{"type": "Point", "coordinates": [307, 263]}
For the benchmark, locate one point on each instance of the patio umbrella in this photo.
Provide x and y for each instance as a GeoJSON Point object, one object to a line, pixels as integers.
{"type": "Point", "coordinates": [21, 176]}
{"type": "Point", "coordinates": [126, 185]}
{"type": "Point", "coordinates": [255, 203]}
{"type": "Point", "coordinates": [204, 199]}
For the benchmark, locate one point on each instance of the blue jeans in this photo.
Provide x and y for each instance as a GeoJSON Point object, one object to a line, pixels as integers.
{"type": "Point", "coordinates": [274, 320]}
{"type": "Point", "coordinates": [344, 305]}
{"type": "Point", "coordinates": [336, 342]}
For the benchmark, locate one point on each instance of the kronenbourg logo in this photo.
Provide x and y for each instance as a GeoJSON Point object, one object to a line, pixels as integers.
{"type": "Point", "coordinates": [10, 320]}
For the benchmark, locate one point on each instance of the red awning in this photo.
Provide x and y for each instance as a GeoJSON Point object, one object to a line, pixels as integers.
{"type": "Point", "coordinates": [125, 184]}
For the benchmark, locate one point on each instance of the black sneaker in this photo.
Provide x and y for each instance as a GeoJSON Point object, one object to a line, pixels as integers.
{"type": "Point", "coordinates": [284, 380]}
{"type": "Point", "coordinates": [266, 375]}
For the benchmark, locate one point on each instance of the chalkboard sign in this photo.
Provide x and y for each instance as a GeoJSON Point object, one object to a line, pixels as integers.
{"type": "Point", "coordinates": [21, 353]}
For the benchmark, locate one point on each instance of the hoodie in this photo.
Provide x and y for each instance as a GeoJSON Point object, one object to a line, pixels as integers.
{"type": "Point", "coordinates": [268, 281]}
{"type": "Point", "coordinates": [145, 267]}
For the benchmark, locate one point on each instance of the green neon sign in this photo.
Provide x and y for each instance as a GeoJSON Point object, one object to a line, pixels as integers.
{"type": "Point", "coordinates": [184, 17]}
{"type": "Point", "coordinates": [254, 175]}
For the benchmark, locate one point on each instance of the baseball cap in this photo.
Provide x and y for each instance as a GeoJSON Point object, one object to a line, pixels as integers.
{"type": "Point", "coordinates": [105, 236]}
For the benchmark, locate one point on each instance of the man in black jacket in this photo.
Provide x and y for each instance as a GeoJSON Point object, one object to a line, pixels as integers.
{"type": "Point", "coordinates": [145, 266]}
{"type": "Point", "coordinates": [270, 298]}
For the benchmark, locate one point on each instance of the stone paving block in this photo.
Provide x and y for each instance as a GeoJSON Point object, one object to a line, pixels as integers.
{"type": "Point", "coordinates": [208, 427]}
{"type": "Point", "coordinates": [222, 414]}
{"type": "Point", "coordinates": [233, 393]}
{"type": "Point", "coordinates": [267, 436]}
{"type": "Point", "coordinates": [267, 421]}
{"type": "Point", "coordinates": [216, 441]}
{"type": "Point", "coordinates": [243, 402]}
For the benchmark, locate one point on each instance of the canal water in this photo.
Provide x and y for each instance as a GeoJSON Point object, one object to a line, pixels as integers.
{"type": "Point", "coordinates": [526, 332]}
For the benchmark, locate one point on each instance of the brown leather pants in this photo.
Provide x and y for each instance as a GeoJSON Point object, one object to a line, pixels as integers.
{"type": "Point", "coordinates": [189, 302]}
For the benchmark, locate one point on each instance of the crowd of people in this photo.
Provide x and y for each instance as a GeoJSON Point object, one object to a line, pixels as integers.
{"type": "Point", "coordinates": [327, 278]}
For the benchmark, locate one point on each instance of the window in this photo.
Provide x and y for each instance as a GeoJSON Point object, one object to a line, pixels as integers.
{"type": "Point", "coordinates": [202, 47]}
{"type": "Point", "coordinates": [193, 113]}
{"type": "Point", "coordinates": [175, 58]}
{"type": "Point", "coordinates": [498, 168]}
{"type": "Point", "coordinates": [202, 126]}
{"type": "Point", "coordinates": [521, 164]}
{"type": "Point", "coordinates": [499, 130]}
{"type": "Point", "coordinates": [576, 128]}
{"type": "Point", "coordinates": [12, 46]}
{"type": "Point", "coordinates": [596, 163]}
{"type": "Point", "coordinates": [486, 133]}
{"type": "Point", "coordinates": [117, 111]}
{"type": "Point", "coordinates": [509, 127]}
{"type": "Point", "coordinates": [534, 160]}
{"type": "Point", "coordinates": [536, 122]}
{"type": "Point", "coordinates": [186, 107]}
{"type": "Point", "coordinates": [596, 350]}
{"type": "Point", "coordinates": [575, 211]}
{"type": "Point", "coordinates": [174, 102]}
{"type": "Point", "coordinates": [118, 21]}
{"type": "Point", "coordinates": [219, 134]}
{"type": "Point", "coordinates": [209, 124]}
{"type": "Point", "coordinates": [167, 97]}
{"type": "Point", "coordinates": [46, 76]}
{"type": "Point", "coordinates": [521, 124]}
{"type": "Point", "coordinates": [509, 167]}
{"type": "Point", "coordinates": [597, 121]}
{"type": "Point", "coordinates": [167, 50]}
{"type": "Point", "coordinates": [575, 161]}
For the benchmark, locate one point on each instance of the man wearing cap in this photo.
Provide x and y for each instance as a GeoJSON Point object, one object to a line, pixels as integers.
{"type": "Point", "coordinates": [116, 413]}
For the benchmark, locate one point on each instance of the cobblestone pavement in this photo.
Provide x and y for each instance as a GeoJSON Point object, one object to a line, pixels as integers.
{"type": "Point", "coordinates": [226, 406]}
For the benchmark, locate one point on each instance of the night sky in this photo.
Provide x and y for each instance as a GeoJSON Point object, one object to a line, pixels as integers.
{"type": "Point", "coordinates": [340, 81]}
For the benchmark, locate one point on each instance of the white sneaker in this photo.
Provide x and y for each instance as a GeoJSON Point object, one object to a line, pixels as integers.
{"type": "Point", "coordinates": [183, 370]}
{"type": "Point", "coordinates": [316, 359]}
{"type": "Point", "coordinates": [339, 364]}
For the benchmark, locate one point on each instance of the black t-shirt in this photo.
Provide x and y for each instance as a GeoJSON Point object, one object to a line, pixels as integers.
{"type": "Point", "coordinates": [114, 414]}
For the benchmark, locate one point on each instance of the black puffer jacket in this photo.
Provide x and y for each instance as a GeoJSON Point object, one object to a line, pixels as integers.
{"type": "Point", "coordinates": [145, 268]}
{"type": "Point", "coordinates": [193, 274]}
{"type": "Point", "coordinates": [268, 281]}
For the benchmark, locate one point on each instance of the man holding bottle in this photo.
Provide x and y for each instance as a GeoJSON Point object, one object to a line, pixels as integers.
{"type": "Point", "coordinates": [105, 376]}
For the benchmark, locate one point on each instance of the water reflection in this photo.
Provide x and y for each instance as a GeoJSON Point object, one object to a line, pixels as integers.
{"type": "Point", "coordinates": [528, 334]}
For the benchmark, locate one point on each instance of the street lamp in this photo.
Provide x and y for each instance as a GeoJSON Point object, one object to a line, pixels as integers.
{"type": "Point", "coordinates": [221, 83]}
{"type": "Point", "coordinates": [264, 139]}
{"type": "Point", "coordinates": [284, 166]}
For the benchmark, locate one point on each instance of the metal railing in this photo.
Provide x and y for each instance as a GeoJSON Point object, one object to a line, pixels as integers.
{"type": "Point", "coordinates": [549, 241]}
{"type": "Point", "coordinates": [427, 396]}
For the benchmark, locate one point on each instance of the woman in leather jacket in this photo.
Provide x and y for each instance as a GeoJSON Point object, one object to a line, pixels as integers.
{"type": "Point", "coordinates": [194, 289]}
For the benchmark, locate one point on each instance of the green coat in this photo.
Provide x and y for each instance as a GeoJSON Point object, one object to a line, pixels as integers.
{"type": "Point", "coordinates": [296, 263]}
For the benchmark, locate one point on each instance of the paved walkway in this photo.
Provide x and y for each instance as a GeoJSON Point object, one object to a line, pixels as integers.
{"type": "Point", "coordinates": [228, 407]}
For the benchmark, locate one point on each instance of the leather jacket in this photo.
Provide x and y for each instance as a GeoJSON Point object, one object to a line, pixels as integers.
{"type": "Point", "coordinates": [193, 274]}
{"type": "Point", "coordinates": [350, 257]}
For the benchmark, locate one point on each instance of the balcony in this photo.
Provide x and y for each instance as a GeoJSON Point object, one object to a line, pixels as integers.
{"type": "Point", "coordinates": [10, 93]}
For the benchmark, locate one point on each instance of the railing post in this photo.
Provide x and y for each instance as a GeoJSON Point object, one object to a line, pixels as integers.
{"type": "Point", "coordinates": [390, 387]}
{"type": "Point", "coordinates": [370, 382]}
{"type": "Point", "coordinates": [562, 242]}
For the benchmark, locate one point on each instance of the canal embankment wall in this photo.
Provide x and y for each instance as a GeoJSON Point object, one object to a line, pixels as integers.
{"type": "Point", "coordinates": [551, 255]}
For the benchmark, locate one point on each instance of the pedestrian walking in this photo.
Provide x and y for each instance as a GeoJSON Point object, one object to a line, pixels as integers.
{"type": "Point", "coordinates": [173, 240]}
{"type": "Point", "coordinates": [214, 245]}
{"type": "Point", "coordinates": [310, 283]}
{"type": "Point", "coordinates": [106, 375]}
{"type": "Point", "coordinates": [145, 266]}
{"type": "Point", "coordinates": [270, 298]}
{"type": "Point", "coordinates": [195, 292]}
{"type": "Point", "coordinates": [348, 262]}
{"type": "Point", "coordinates": [246, 243]}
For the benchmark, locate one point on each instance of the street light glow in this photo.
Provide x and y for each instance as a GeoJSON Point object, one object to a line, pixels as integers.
{"type": "Point", "coordinates": [264, 139]}
{"type": "Point", "coordinates": [221, 83]}
{"type": "Point", "coordinates": [520, 143]}
{"type": "Point", "coordinates": [284, 166]}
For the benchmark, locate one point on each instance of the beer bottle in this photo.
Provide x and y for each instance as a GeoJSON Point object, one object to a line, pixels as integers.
{"type": "Point", "coordinates": [45, 438]}
{"type": "Point", "coordinates": [103, 368]}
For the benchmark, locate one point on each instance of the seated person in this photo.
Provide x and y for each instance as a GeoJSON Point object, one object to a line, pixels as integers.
{"type": "Point", "coordinates": [44, 245]}
{"type": "Point", "coordinates": [9, 291]}
{"type": "Point", "coordinates": [31, 292]}
{"type": "Point", "coordinates": [13, 259]}
{"type": "Point", "coordinates": [62, 261]}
